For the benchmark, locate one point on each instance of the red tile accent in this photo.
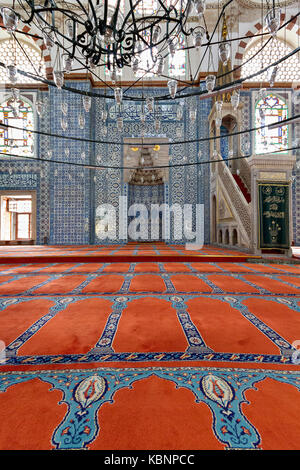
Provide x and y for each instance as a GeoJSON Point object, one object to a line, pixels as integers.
{"type": "Point", "coordinates": [291, 24]}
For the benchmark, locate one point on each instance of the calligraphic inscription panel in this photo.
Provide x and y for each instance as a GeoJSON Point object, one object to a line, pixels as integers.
{"type": "Point", "coordinates": [273, 213]}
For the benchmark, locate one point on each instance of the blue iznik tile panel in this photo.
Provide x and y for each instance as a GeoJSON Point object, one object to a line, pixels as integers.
{"type": "Point", "coordinates": [186, 184]}
{"type": "Point", "coordinates": [68, 195]}
{"type": "Point", "coordinates": [70, 186]}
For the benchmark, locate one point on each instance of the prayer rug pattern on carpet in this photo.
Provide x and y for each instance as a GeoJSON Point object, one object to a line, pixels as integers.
{"type": "Point", "coordinates": [149, 356]}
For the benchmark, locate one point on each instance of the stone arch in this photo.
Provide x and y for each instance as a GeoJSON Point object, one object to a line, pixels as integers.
{"type": "Point", "coordinates": [257, 28]}
{"type": "Point", "coordinates": [220, 237]}
{"type": "Point", "coordinates": [214, 218]}
{"type": "Point", "coordinates": [226, 237]}
{"type": "Point", "coordinates": [234, 237]}
{"type": "Point", "coordinates": [40, 44]}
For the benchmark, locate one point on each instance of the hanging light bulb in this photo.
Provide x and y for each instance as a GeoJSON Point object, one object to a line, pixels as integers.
{"type": "Point", "coordinates": [64, 124]}
{"type": "Point", "coordinates": [12, 74]}
{"type": "Point", "coordinates": [224, 52]}
{"type": "Point", "coordinates": [193, 114]}
{"type": "Point", "coordinates": [67, 152]}
{"type": "Point", "coordinates": [198, 35]}
{"type": "Point", "coordinates": [48, 38]}
{"type": "Point", "coordinates": [219, 106]}
{"type": "Point", "coordinates": [171, 47]}
{"type": "Point", "coordinates": [156, 33]}
{"type": "Point", "coordinates": [172, 85]}
{"type": "Point", "coordinates": [235, 99]}
{"type": "Point", "coordinates": [199, 6]}
{"type": "Point", "coordinates": [39, 107]}
{"type": "Point", "coordinates": [58, 78]}
{"type": "Point", "coordinates": [178, 132]}
{"type": "Point", "coordinates": [81, 121]}
{"type": "Point", "coordinates": [218, 121]}
{"type": "Point", "coordinates": [69, 28]}
{"type": "Point", "coordinates": [15, 109]}
{"type": "Point", "coordinates": [210, 82]}
{"type": "Point", "coordinates": [49, 153]}
{"type": "Point", "coordinates": [273, 75]}
{"type": "Point", "coordinates": [15, 93]}
{"type": "Point", "coordinates": [272, 20]}
{"type": "Point", "coordinates": [150, 104]}
{"type": "Point", "coordinates": [87, 102]}
{"type": "Point", "coordinates": [262, 93]}
{"type": "Point", "coordinates": [64, 108]}
{"type": "Point", "coordinates": [261, 113]}
{"type": "Point", "coordinates": [108, 36]}
{"type": "Point", "coordinates": [297, 98]}
{"type": "Point", "coordinates": [68, 63]}
{"type": "Point", "coordinates": [104, 115]}
{"type": "Point", "coordinates": [157, 125]}
{"type": "Point", "coordinates": [246, 143]}
{"type": "Point", "coordinates": [91, 63]}
{"type": "Point", "coordinates": [113, 74]}
{"type": "Point", "coordinates": [120, 123]}
{"type": "Point", "coordinates": [82, 155]}
{"type": "Point", "coordinates": [10, 19]}
{"type": "Point", "coordinates": [118, 95]}
{"type": "Point", "coordinates": [199, 154]}
{"type": "Point", "coordinates": [135, 65]}
{"type": "Point", "coordinates": [160, 64]}
{"type": "Point", "coordinates": [179, 113]}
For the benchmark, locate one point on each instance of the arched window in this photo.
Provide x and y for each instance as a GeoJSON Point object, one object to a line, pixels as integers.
{"type": "Point", "coordinates": [267, 111]}
{"type": "Point", "coordinates": [177, 63]}
{"type": "Point", "coordinates": [10, 51]}
{"type": "Point", "coordinates": [288, 71]}
{"type": "Point", "coordinates": [18, 113]}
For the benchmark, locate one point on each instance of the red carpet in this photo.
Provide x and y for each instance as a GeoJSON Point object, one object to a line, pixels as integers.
{"type": "Point", "coordinates": [157, 355]}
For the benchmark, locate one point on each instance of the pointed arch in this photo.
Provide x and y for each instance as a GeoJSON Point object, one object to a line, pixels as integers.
{"type": "Point", "coordinates": [256, 29]}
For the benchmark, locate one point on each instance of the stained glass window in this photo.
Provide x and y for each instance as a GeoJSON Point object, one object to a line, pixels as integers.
{"type": "Point", "coordinates": [177, 63]}
{"type": "Point", "coordinates": [17, 141]}
{"type": "Point", "coordinates": [288, 71]}
{"type": "Point", "coordinates": [268, 111]}
{"type": "Point", "coordinates": [10, 50]}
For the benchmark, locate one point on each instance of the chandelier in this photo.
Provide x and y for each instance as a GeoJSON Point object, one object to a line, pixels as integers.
{"type": "Point", "coordinates": [111, 32]}
{"type": "Point", "coordinates": [116, 34]}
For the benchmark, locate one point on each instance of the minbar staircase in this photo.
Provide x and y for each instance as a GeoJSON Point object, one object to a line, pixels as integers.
{"type": "Point", "coordinates": [242, 187]}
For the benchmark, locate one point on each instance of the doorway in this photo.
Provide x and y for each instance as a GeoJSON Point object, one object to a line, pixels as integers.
{"type": "Point", "coordinates": [17, 217]}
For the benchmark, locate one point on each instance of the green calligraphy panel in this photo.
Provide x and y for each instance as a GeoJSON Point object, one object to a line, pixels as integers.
{"type": "Point", "coordinates": [273, 206]}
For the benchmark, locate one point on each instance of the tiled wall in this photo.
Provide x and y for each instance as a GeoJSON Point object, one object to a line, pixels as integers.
{"type": "Point", "coordinates": [67, 196]}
